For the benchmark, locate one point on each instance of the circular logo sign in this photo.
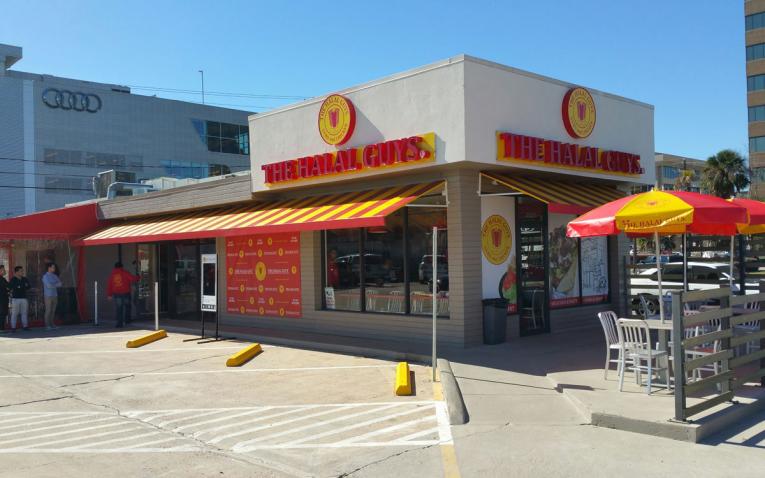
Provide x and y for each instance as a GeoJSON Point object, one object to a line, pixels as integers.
{"type": "Point", "coordinates": [578, 112]}
{"type": "Point", "coordinates": [337, 120]}
{"type": "Point", "coordinates": [496, 239]}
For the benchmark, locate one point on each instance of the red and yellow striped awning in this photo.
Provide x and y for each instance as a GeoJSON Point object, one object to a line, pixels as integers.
{"type": "Point", "coordinates": [335, 211]}
{"type": "Point", "coordinates": [563, 197]}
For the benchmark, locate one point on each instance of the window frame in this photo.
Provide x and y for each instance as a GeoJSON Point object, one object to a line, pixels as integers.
{"type": "Point", "coordinates": [362, 275]}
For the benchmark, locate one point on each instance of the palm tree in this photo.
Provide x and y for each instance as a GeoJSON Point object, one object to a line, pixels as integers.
{"type": "Point", "coordinates": [685, 180]}
{"type": "Point", "coordinates": [725, 174]}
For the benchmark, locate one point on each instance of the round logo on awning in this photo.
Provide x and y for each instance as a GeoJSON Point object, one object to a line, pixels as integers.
{"type": "Point", "coordinates": [578, 112]}
{"type": "Point", "coordinates": [337, 120]}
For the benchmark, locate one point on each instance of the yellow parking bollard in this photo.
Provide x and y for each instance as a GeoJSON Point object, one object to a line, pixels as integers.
{"type": "Point", "coordinates": [244, 355]}
{"type": "Point", "coordinates": [146, 339]}
{"type": "Point", "coordinates": [403, 380]}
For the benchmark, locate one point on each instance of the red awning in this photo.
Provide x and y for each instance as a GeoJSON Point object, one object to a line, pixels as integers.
{"type": "Point", "coordinates": [64, 223]}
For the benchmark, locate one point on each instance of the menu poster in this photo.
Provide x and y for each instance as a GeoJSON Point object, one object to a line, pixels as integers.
{"type": "Point", "coordinates": [263, 275]}
{"type": "Point", "coordinates": [594, 270]}
{"type": "Point", "coordinates": [564, 263]}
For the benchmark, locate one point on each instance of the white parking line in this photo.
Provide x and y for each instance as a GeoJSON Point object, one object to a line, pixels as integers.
{"type": "Point", "coordinates": [386, 430]}
{"type": "Point", "coordinates": [37, 437]}
{"type": "Point", "coordinates": [243, 446]}
{"type": "Point", "coordinates": [277, 424]}
{"type": "Point", "coordinates": [238, 429]}
{"type": "Point", "coordinates": [197, 372]}
{"type": "Point", "coordinates": [352, 427]}
{"type": "Point", "coordinates": [46, 420]}
{"type": "Point", "coordinates": [64, 425]}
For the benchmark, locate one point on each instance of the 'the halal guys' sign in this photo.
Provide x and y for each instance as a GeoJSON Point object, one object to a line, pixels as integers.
{"type": "Point", "coordinates": [336, 123]}
{"type": "Point", "coordinates": [579, 118]}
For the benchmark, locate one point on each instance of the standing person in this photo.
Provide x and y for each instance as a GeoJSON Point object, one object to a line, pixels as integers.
{"type": "Point", "coordinates": [118, 286]}
{"type": "Point", "coordinates": [3, 296]}
{"type": "Point", "coordinates": [19, 286]}
{"type": "Point", "coordinates": [51, 283]}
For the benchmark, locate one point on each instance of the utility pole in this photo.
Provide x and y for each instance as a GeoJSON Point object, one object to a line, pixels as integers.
{"type": "Point", "coordinates": [202, 72]}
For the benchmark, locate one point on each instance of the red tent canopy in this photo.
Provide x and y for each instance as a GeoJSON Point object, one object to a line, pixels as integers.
{"type": "Point", "coordinates": [64, 223]}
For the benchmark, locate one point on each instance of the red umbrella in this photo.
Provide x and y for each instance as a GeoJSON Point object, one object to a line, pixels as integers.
{"type": "Point", "coordinates": [660, 212]}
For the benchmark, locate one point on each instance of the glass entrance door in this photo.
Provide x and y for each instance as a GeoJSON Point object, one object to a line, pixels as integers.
{"type": "Point", "coordinates": [532, 266]}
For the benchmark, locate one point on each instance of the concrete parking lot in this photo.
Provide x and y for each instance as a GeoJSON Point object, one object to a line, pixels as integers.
{"type": "Point", "coordinates": [76, 401]}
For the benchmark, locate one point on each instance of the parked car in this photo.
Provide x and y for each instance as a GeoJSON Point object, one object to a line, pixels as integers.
{"type": "Point", "coordinates": [665, 259]}
{"type": "Point", "coordinates": [425, 270]}
{"type": "Point", "coordinates": [701, 276]}
{"type": "Point", "coordinates": [376, 271]}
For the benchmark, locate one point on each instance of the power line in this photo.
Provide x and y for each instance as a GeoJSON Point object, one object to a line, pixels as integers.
{"type": "Point", "coordinates": [2, 158]}
{"type": "Point", "coordinates": [218, 93]}
{"type": "Point", "coordinates": [46, 189]}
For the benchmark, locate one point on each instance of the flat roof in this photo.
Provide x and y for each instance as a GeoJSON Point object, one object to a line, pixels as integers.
{"type": "Point", "coordinates": [442, 64]}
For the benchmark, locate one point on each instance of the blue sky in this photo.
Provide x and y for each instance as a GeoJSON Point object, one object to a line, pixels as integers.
{"type": "Point", "coordinates": [686, 57]}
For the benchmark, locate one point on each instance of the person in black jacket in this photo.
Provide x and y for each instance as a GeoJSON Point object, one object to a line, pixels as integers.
{"type": "Point", "coordinates": [19, 286]}
{"type": "Point", "coordinates": [3, 296]}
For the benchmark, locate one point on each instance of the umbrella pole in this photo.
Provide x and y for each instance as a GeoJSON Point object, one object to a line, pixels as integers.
{"type": "Point", "coordinates": [685, 262]}
{"type": "Point", "coordinates": [731, 263]}
{"type": "Point", "coordinates": [658, 270]}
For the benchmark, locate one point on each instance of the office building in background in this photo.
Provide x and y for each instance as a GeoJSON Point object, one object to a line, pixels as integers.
{"type": "Point", "coordinates": [754, 11]}
{"type": "Point", "coordinates": [58, 133]}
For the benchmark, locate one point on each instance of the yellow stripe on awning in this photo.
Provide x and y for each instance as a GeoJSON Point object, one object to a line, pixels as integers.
{"type": "Point", "coordinates": [336, 211]}
{"type": "Point", "coordinates": [561, 196]}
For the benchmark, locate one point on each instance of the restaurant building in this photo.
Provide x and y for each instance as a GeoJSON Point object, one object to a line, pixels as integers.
{"type": "Point", "coordinates": [332, 233]}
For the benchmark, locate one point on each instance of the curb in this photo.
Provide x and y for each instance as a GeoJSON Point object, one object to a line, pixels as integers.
{"type": "Point", "coordinates": [319, 346]}
{"type": "Point", "coordinates": [455, 404]}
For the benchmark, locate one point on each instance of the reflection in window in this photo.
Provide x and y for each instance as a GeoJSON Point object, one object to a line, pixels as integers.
{"type": "Point", "coordinates": [757, 113]}
{"type": "Point", "coordinates": [420, 262]}
{"type": "Point", "coordinates": [384, 266]}
{"type": "Point", "coordinates": [381, 283]}
{"type": "Point", "coordinates": [755, 21]}
{"type": "Point", "coordinates": [223, 137]}
{"type": "Point", "coordinates": [343, 270]}
{"type": "Point", "coordinates": [755, 52]}
{"type": "Point", "coordinates": [755, 82]}
{"type": "Point", "coordinates": [757, 144]}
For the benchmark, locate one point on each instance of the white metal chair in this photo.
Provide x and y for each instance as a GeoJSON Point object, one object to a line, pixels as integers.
{"type": "Point", "coordinates": [635, 343]}
{"type": "Point", "coordinates": [647, 315]}
{"type": "Point", "coordinates": [396, 302]}
{"type": "Point", "coordinates": [750, 327]}
{"type": "Point", "coordinates": [608, 321]}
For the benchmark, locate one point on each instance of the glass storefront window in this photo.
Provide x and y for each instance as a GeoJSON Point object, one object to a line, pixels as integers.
{"type": "Point", "coordinates": [384, 266]}
{"type": "Point", "coordinates": [420, 261]}
{"type": "Point", "coordinates": [395, 272]}
{"type": "Point", "coordinates": [342, 271]}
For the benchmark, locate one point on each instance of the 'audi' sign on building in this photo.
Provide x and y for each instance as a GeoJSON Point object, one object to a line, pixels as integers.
{"type": "Point", "coordinates": [71, 100]}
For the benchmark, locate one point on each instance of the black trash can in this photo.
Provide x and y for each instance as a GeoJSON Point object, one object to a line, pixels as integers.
{"type": "Point", "coordinates": [494, 321]}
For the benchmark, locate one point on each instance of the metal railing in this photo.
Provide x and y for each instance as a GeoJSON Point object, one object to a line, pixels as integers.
{"type": "Point", "coordinates": [714, 331]}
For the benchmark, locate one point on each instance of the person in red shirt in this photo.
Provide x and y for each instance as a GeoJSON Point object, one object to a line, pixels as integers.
{"type": "Point", "coordinates": [118, 286]}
